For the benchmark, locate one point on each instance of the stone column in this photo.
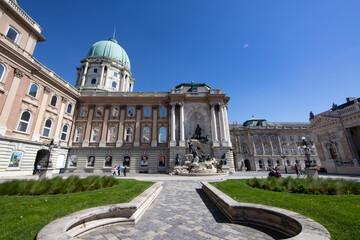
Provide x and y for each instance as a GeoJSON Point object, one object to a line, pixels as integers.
{"type": "Point", "coordinates": [104, 127]}
{"type": "Point", "coordinates": [88, 126]}
{"type": "Point", "coordinates": [38, 121]}
{"type": "Point", "coordinates": [222, 125]}
{"type": "Point", "coordinates": [226, 125]}
{"type": "Point", "coordinates": [154, 126]}
{"type": "Point", "coordinates": [102, 75]}
{"type": "Point", "coordinates": [138, 126]}
{"type": "Point", "coordinates": [215, 142]}
{"type": "Point", "coordinates": [83, 77]}
{"type": "Point", "coordinates": [59, 120]}
{"type": "Point", "coordinates": [10, 101]}
{"type": "Point", "coordinates": [182, 126]}
{"type": "Point", "coordinates": [172, 140]}
{"type": "Point", "coordinates": [120, 138]}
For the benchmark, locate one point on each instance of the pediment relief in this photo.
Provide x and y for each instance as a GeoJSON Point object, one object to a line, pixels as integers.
{"type": "Point", "coordinates": [323, 120]}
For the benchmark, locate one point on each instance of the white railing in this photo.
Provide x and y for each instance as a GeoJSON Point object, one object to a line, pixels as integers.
{"type": "Point", "coordinates": [23, 14]}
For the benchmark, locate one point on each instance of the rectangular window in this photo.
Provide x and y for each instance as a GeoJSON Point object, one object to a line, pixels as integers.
{"type": "Point", "coordinates": [115, 74]}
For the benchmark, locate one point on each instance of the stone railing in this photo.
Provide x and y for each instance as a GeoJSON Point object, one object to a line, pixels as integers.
{"type": "Point", "coordinates": [24, 15]}
{"type": "Point", "coordinates": [52, 74]}
{"type": "Point", "coordinates": [78, 223]}
{"type": "Point", "coordinates": [293, 225]}
{"type": "Point", "coordinates": [347, 110]}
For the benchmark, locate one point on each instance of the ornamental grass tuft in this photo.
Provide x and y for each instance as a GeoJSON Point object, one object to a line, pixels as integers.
{"type": "Point", "coordinates": [57, 185]}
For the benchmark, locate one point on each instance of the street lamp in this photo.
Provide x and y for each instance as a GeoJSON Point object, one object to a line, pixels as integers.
{"type": "Point", "coordinates": [311, 170]}
{"type": "Point", "coordinates": [283, 156]}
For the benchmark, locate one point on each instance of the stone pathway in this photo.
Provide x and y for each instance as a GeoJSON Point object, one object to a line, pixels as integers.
{"type": "Point", "coordinates": [181, 211]}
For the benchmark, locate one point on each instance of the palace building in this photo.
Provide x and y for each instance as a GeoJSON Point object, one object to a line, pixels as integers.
{"type": "Point", "coordinates": [259, 145]}
{"type": "Point", "coordinates": [101, 122]}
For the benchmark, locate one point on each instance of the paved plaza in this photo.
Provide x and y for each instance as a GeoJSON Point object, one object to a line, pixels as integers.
{"type": "Point", "coordinates": [181, 211]}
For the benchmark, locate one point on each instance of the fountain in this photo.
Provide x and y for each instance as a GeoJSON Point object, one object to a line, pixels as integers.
{"type": "Point", "coordinates": [198, 160]}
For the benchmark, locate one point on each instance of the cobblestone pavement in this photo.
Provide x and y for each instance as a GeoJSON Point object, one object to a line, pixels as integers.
{"type": "Point", "coordinates": [181, 211]}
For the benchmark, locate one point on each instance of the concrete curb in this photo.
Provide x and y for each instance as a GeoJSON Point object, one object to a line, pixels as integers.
{"type": "Point", "coordinates": [291, 224]}
{"type": "Point", "coordinates": [77, 223]}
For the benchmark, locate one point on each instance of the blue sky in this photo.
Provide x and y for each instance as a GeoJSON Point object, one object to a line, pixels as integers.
{"type": "Point", "coordinates": [275, 59]}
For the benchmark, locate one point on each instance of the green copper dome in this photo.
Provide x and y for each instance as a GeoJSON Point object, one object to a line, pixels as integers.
{"type": "Point", "coordinates": [109, 48]}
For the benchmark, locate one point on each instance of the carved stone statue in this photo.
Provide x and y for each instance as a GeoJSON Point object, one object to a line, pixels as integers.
{"type": "Point", "coordinates": [223, 160]}
{"type": "Point", "coordinates": [198, 132]}
{"type": "Point", "coordinates": [178, 160]}
{"type": "Point", "coordinates": [311, 115]}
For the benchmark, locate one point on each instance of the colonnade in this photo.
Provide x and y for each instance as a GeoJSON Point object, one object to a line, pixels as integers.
{"type": "Point", "coordinates": [221, 120]}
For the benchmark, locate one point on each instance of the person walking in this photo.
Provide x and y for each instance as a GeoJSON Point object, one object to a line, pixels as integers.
{"type": "Point", "coordinates": [125, 168]}
{"type": "Point", "coordinates": [119, 170]}
{"type": "Point", "coordinates": [115, 171]}
{"type": "Point", "coordinates": [38, 168]}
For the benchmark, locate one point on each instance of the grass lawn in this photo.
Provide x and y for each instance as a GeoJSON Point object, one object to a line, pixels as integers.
{"type": "Point", "coordinates": [338, 213]}
{"type": "Point", "coordinates": [22, 217]}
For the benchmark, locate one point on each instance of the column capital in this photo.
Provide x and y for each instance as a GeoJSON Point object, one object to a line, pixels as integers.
{"type": "Point", "coordinates": [47, 89]}
{"type": "Point", "coordinates": [64, 99]}
{"type": "Point", "coordinates": [155, 106]}
{"type": "Point", "coordinates": [123, 106]}
{"type": "Point", "coordinates": [138, 107]}
{"type": "Point", "coordinates": [18, 73]}
{"type": "Point", "coordinates": [181, 104]}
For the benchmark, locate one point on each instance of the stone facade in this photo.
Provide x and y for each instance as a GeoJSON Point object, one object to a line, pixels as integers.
{"type": "Point", "coordinates": [259, 144]}
{"type": "Point", "coordinates": [36, 105]}
{"type": "Point", "coordinates": [337, 134]}
{"type": "Point", "coordinates": [100, 122]}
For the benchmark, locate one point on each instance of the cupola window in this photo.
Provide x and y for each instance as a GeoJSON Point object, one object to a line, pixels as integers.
{"type": "Point", "coordinates": [95, 70]}
{"type": "Point", "coordinates": [115, 74]}
{"type": "Point", "coordinates": [131, 112]}
{"type": "Point", "coordinates": [162, 112]}
{"type": "Point", "coordinates": [93, 81]}
{"type": "Point", "coordinates": [114, 85]}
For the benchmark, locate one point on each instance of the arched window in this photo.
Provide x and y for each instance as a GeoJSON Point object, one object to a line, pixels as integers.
{"type": "Point", "coordinates": [293, 148]}
{"type": "Point", "coordinates": [47, 128]}
{"type": "Point", "coordinates": [258, 150]}
{"type": "Point", "coordinates": [64, 132]}
{"type": "Point", "coordinates": [33, 91]}
{"type": "Point", "coordinates": [79, 134]}
{"type": "Point", "coordinates": [83, 112]}
{"type": "Point", "coordinates": [129, 134]}
{"type": "Point", "coordinates": [302, 150]}
{"type": "Point", "coordinates": [275, 149]}
{"type": "Point", "coordinates": [260, 164]}
{"type": "Point", "coordinates": [69, 108]}
{"type": "Point", "coordinates": [2, 71]}
{"type": "Point", "coordinates": [147, 112]}
{"type": "Point", "coordinates": [285, 149]}
{"type": "Point", "coordinates": [162, 112]}
{"type": "Point", "coordinates": [264, 137]}
{"type": "Point", "coordinates": [12, 34]}
{"type": "Point", "coordinates": [267, 150]}
{"type": "Point", "coordinates": [162, 135]}
{"type": "Point", "coordinates": [114, 85]}
{"type": "Point", "coordinates": [146, 134]}
{"type": "Point", "coordinates": [99, 112]}
{"type": "Point", "coordinates": [115, 112]}
{"type": "Point", "coordinates": [131, 112]}
{"type": "Point", "coordinates": [273, 137]}
{"type": "Point", "coordinates": [24, 121]}
{"type": "Point", "coordinates": [287, 162]}
{"type": "Point", "coordinates": [95, 134]}
{"type": "Point", "coordinates": [93, 81]}
{"type": "Point", "coordinates": [269, 163]}
{"type": "Point", "coordinates": [53, 101]}
{"type": "Point", "coordinates": [311, 148]}
{"type": "Point", "coordinates": [112, 134]}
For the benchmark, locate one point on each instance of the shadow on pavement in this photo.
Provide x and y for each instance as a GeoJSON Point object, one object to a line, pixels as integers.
{"type": "Point", "coordinates": [221, 218]}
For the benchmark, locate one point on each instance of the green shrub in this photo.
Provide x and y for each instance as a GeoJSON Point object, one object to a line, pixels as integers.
{"type": "Point", "coordinates": [306, 186]}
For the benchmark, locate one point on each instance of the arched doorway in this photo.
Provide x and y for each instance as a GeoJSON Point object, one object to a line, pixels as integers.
{"type": "Point", "coordinates": [42, 158]}
{"type": "Point", "coordinates": [247, 165]}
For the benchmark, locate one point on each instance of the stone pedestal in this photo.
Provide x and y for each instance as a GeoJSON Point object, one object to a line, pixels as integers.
{"type": "Point", "coordinates": [46, 173]}
{"type": "Point", "coordinates": [312, 172]}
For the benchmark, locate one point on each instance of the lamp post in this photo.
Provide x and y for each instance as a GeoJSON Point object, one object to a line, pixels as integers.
{"type": "Point", "coordinates": [311, 169]}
